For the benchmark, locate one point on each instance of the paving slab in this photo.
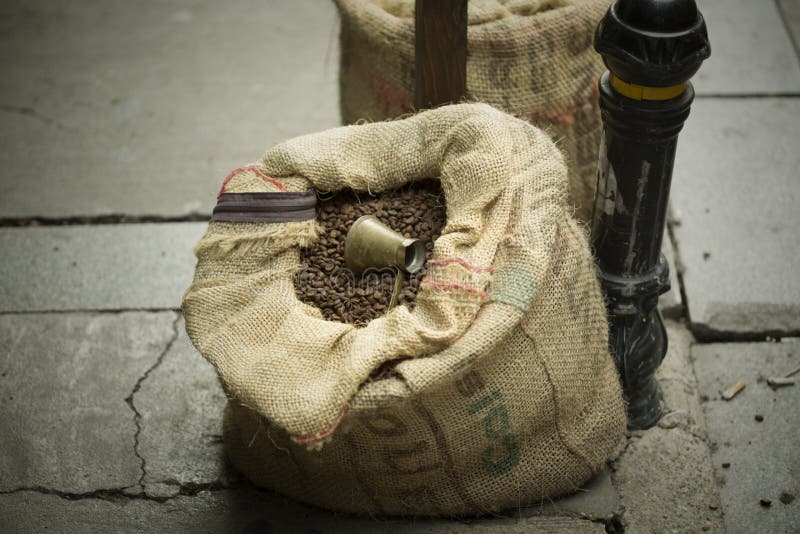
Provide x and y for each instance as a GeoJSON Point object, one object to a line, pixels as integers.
{"type": "Point", "coordinates": [664, 475]}
{"type": "Point", "coordinates": [103, 267]}
{"type": "Point", "coordinates": [790, 11]}
{"type": "Point", "coordinates": [762, 458]}
{"type": "Point", "coordinates": [128, 108]}
{"type": "Point", "coordinates": [667, 484]}
{"type": "Point", "coordinates": [181, 404]}
{"type": "Point", "coordinates": [64, 379]}
{"type": "Point", "coordinates": [751, 51]}
{"type": "Point", "coordinates": [244, 511]}
{"type": "Point", "coordinates": [735, 198]}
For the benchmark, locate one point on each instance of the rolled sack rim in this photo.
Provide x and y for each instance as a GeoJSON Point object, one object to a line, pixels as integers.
{"type": "Point", "coordinates": [505, 312]}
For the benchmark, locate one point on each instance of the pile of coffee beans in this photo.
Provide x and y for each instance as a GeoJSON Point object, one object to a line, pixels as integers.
{"type": "Point", "coordinates": [416, 210]}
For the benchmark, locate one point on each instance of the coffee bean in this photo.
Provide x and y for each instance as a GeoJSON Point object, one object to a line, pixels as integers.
{"type": "Point", "coordinates": [415, 210]}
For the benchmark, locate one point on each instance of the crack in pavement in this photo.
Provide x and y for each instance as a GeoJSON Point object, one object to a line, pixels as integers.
{"type": "Point", "coordinates": [705, 334]}
{"type": "Point", "coordinates": [137, 416]}
{"type": "Point", "coordinates": [548, 507]}
{"type": "Point", "coordinates": [679, 268]}
{"type": "Point", "coordinates": [686, 430]}
{"type": "Point", "coordinates": [109, 494]}
{"type": "Point", "coordinates": [685, 427]}
{"type": "Point", "coordinates": [103, 493]}
{"type": "Point", "coordinates": [102, 219]}
{"type": "Point", "coordinates": [612, 523]}
{"type": "Point", "coordinates": [31, 112]}
{"type": "Point", "coordinates": [89, 311]}
{"type": "Point", "coordinates": [612, 463]}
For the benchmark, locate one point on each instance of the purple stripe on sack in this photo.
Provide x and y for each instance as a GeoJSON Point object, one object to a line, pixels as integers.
{"type": "Point", "coordinates": [266, 207]}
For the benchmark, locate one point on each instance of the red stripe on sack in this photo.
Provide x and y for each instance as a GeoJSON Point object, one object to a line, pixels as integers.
{"type": "Point", "coordinates": [311, 438]}
{"type": "Point", "coordinates": [256, 170]}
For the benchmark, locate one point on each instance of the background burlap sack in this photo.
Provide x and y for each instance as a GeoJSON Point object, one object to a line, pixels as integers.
{"type": "Point", "coordinates": [503, 393]}
{"type": "Point", "coordinates": [531, 58]}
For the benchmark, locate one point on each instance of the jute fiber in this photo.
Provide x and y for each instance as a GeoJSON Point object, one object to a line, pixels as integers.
{"type": "Point", "coordinates": [503, 391]}
{"type": "Point", "coordinates": [531, 58]}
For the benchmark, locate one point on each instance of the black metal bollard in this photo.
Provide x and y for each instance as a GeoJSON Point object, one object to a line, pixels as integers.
{"type": "Point", "coordinates": [651, 48]}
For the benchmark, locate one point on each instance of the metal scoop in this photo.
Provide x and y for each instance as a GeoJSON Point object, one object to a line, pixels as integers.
{"type": "Point", "coordinates": [370, 244]}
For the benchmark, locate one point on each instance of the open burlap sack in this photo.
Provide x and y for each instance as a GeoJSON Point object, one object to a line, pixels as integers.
{"type": "Point", "coordinates": [503, 390]}
{"type": "Point", "coordinates": [531, 58]}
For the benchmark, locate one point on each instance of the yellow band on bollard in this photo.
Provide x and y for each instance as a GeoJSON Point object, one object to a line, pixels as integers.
{"type": "Point", "coordinates": [643, 92]}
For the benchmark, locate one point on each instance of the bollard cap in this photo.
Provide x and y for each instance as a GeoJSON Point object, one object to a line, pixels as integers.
{"type": "Point", "coordinates": [655, 43]}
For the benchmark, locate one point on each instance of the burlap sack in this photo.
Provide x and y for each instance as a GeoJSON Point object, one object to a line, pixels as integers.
{"type": "Point", "coordinates": [531, 58]}
{"type": "Point", "coordinates": [503, 390]}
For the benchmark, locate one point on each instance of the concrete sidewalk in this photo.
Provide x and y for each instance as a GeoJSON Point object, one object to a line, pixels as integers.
{"type": "Point", "coordinates": [119, 121]}
{"type": "Point", "coordinates": [116, 427]}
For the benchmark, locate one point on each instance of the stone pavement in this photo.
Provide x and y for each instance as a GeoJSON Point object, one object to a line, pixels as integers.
{"type": "Point", "coordinates": [754, 442]}
{"type": "Point", "coordinates": [115, 425]}
{"type": "Point", "coordinates": [120, 108]}
{"type": "Point", "coordinates": [119, 120]}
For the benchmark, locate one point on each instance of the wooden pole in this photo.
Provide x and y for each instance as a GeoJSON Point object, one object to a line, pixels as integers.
{"type": "Point", "coordinates": [441, 52]}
